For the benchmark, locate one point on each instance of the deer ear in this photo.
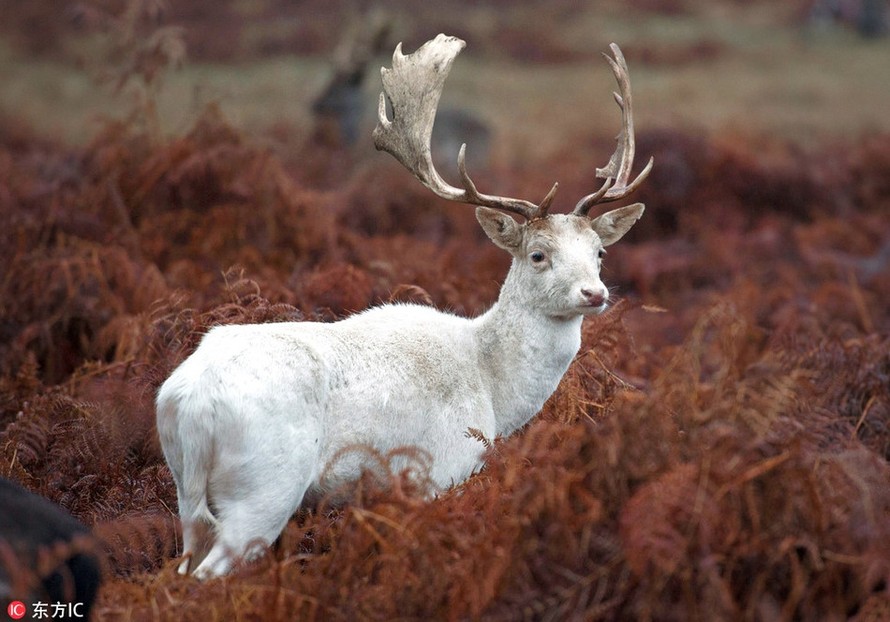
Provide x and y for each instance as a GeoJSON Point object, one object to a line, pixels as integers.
{"type": "Point", "coordinates": [611, 226]}
{"type": "Point", "coordinates": [501, 228]}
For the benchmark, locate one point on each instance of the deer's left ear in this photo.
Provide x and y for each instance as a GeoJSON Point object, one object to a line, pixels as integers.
{"type": "Point", "coordinates": [611, 226]}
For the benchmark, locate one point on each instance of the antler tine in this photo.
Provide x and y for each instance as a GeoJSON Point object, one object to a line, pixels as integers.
{"type": "Point", "coordinates": [413, 87]}
{"type": "Point", "coordinates": [518, 206]}
{"type": "Point", "coordinates": [617, 171]}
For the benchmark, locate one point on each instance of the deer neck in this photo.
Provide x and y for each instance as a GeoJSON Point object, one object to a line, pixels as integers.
{"type": "Point", "coordinates": [524, 353]}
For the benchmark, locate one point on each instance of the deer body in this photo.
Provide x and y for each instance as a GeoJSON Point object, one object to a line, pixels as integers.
{"type": "Point", "coordinates": [262, 417]}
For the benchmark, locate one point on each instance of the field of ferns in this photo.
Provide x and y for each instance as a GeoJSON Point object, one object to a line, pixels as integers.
{"type": "Point", "coordinates": [717, 451]}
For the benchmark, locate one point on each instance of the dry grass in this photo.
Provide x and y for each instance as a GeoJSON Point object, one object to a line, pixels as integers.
{"type": "Point", "coordinates": [718, 67]}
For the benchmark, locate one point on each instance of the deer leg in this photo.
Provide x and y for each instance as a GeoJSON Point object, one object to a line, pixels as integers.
{"type": "Point", "coordinates": [256, 493]}
{"type": "Point", "coordinates": [197, 537]}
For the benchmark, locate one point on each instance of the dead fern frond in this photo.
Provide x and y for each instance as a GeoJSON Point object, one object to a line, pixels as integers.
{"type": "Point", "coordinates": [138, 543]}
{"type": "Point", "coordinates": [479, 436]}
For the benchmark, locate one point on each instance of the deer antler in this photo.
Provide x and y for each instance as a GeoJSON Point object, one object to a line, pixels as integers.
{"type": "Point", "coordinates": [617, 171]}
{"type": "Point", "coordinates": [413, 87]}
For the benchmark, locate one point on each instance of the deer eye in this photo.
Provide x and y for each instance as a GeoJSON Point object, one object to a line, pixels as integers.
{"type": "Point", "coordinates": [537, 257]}
{"type": "Point", "coordinates": [601, 253]}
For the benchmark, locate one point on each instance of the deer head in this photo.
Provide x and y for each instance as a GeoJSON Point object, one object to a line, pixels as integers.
{"type": "Point", "coordinates": [560, 253]}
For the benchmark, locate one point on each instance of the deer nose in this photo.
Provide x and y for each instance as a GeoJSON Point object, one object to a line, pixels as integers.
{"type": "Point", "coordinates": [595, 298]}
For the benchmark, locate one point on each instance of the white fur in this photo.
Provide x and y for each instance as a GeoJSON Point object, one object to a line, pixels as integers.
{"type": "Point", "coordinates": [259, 416]}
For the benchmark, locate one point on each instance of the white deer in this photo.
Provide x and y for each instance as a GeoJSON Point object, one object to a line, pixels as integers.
{"type": "Point", "coordinates": [262, 416]}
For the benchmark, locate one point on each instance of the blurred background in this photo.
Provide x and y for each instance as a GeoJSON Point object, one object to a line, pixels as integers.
{"type": "Point", "coordinates": [529, 84]}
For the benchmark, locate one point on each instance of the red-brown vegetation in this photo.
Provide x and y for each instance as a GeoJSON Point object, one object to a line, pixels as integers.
{"type": "Point", "coordinates": [719, 447]}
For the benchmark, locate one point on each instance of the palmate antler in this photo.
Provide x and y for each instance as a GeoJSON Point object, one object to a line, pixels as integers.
{"type": "Point", "coordinates": [413, 87]}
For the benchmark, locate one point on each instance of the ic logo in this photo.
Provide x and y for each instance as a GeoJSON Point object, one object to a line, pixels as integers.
{"type": "Point", "coordinates": [16, 610]}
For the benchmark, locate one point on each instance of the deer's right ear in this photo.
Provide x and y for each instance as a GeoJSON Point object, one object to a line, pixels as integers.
{"type": "Point", "coordinates": [501, 228]}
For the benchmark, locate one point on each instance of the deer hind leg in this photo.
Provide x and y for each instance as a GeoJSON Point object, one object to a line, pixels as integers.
{"type": "Point", "coordinates": [249, 524]}
{"type": "Point", "coordinates": [254, 500]}
{"type": "Point", "coordinates": [196, 517]}
{"type": "Point", "coordinates": [197, 539]}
